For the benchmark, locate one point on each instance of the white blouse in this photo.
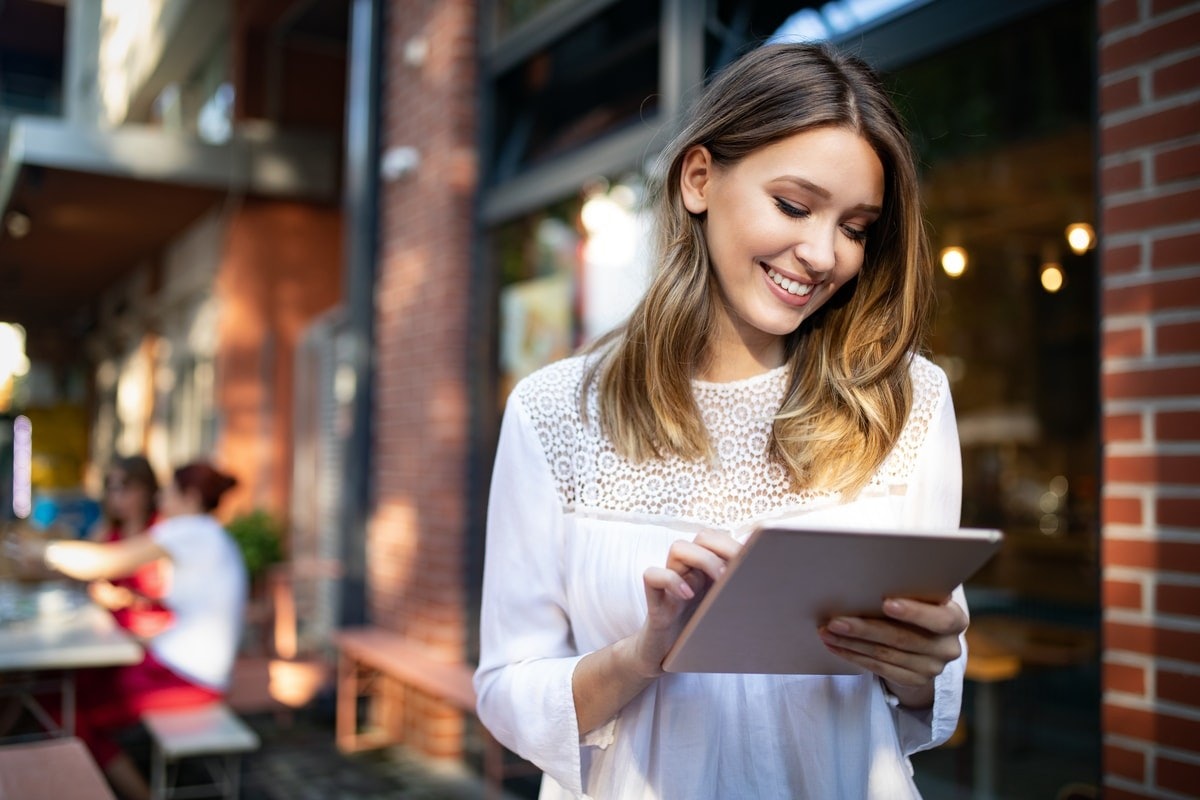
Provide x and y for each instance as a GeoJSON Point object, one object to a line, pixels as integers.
{"type": "Point", "coordinates": [571, 528]}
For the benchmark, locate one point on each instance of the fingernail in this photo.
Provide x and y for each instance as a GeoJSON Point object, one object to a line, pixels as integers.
{"type": "Point", "coordinates": [839, 626]}
{"type": "Point", "coordinates": [686, 591]}
{"type": "Point", "coordinates": [893, 606]}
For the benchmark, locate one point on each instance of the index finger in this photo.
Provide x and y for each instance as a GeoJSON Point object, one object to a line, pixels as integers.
{"type": "Point", "coordinates": [719, 542]}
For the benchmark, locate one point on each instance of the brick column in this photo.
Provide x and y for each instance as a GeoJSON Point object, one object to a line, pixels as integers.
{"type": "Point", "coordinates": [1150, 205]}
{"type": "Point", "coordinates": [416, 536]}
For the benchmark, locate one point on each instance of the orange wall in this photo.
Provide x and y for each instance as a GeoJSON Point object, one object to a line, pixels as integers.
{"type": "Point", "coordinates": [282, 267]}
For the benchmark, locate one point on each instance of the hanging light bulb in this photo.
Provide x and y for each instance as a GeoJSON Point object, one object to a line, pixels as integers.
{"type": "Point", "coordinates": [954, 261]}
{"type": "Point", "coordinates": [1053, 278]}
{"type": "Point", "coordinates": [1081, 237]}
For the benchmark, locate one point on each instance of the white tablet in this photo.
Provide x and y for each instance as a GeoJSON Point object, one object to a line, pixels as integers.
{"type": "Point", "coordinates": [762, 615]}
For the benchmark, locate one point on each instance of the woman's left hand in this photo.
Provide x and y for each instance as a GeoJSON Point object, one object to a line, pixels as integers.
{"type": "Point", "coordinates": [908, 649]}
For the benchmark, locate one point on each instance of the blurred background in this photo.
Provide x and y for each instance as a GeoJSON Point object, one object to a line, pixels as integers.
{"type": "Point", "coordinates": [321, 239]}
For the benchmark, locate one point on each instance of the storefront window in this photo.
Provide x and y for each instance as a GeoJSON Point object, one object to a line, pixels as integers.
{"type": "Point", "coordinates": [512, 14]}
{"type": "Point", "coordinates": [600, 77]}
{"type": "Point", "coordinates": [1004, 130]}
{"type": "Point", "coordinates": [569, 273]}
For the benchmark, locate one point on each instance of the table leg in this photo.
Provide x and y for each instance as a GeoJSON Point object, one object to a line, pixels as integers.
{"type": "Point", "coordinates": [68, 702]}
{"type": "Point", "coordinates": [986, 739]}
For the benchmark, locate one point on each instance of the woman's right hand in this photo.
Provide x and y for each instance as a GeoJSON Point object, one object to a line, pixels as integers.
{"type": "Point", "coordinates": [691, 568]}
{"type": "Point", "coordinates": [605, 680]}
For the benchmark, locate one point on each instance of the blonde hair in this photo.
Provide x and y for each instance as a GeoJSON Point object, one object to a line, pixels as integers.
{"type": "Point", "coordinates": [849, 391]}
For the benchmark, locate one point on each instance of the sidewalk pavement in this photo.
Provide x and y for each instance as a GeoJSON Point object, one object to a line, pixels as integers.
{"type": "Point", "coordinates": [298, 760]}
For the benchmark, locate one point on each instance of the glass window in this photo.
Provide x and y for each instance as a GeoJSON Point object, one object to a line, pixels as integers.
{"type": "Point", "coordinates": [569, 273]}
{"type": "Point", "coordinates": [512, 14]}
{"type": "Point", "coordinates": [1004, 130]}
{"type": "Point", "coordinates": [598, 78]}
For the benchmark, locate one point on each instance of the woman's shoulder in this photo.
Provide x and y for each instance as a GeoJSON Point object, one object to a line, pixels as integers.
{"type": "Point", "coordinates": [930, 392]}
{"type": "Point", "coordinates": [929, 381]}
{"type": "Point", "coordinates": [553, 390]}
{"type": "Point", "coordinates": [185, 525]}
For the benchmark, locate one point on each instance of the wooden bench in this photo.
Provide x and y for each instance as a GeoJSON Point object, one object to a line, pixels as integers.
{"type": "Point", "coordinates": [212, 733]}
{"type": "Point", "coordinates": [364, 654]}
{"type": "Point", "coordinates": [58, 768]}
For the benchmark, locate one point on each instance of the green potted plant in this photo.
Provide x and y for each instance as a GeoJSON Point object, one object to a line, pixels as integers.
{"type": "Point", "coordinates": [259, 535]}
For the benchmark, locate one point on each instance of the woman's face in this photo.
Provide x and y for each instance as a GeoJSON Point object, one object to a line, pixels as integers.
{"type": "Point", "coordinates": [124, 499]}
{"type": "Point", "coordinates": [786, 227]}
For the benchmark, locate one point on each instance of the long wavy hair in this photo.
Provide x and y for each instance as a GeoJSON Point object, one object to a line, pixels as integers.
{"type": "Point", "coordinates": [849, 391]}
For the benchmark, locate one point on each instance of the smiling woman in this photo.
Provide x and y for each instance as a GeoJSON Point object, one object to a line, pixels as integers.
{"type": "Point", "coordinates": [770, 372]}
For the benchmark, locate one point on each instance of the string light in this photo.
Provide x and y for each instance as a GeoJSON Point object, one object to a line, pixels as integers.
{"type": "Point", "coordinates": [1052, 277]}
{"type": "Point", "coordinates": [954, 261]}
{"type": "Point", "coordinates": [1081, 237]}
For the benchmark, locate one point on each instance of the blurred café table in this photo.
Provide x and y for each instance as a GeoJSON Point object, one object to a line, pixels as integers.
{"type": "Point", "coordinates": [48, 631]}
{"type": "Point", "coordinates": [999, 648]}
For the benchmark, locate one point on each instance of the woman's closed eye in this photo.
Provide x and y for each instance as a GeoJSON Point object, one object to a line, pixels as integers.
{"type": "Point", "coordinates": [853, 233]}
{"type": "Point", "coordinates": [795, 212]}
{"type": "Point", "coordinates": [856, 234]}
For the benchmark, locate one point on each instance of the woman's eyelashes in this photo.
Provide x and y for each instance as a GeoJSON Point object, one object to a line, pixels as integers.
{"type": "Point", "coordinates": [855, 234]}
{"type": "Point", "coordinates": [799, 212]}
{"type": "Point", "coordinates": [795, 212]}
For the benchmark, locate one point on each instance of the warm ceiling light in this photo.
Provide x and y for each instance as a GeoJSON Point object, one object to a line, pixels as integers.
{"type": "Point", "coordinates": [1081, 237]}
{"type": "Point", "coordinates": [1052, 277]}
{"type": "Point", "coordinates": [954, 261]}
{"type": "Point", "coordinates": [17, 224]}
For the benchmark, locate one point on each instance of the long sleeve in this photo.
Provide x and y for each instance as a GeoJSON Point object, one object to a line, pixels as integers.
{"type": "Point", "coordinates": [934, 502]}
{"type": "Point", "coordinates": [527, 653]}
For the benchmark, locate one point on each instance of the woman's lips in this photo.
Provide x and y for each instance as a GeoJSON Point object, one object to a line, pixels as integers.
{"type": "Point", "coordinates": [791, 291]}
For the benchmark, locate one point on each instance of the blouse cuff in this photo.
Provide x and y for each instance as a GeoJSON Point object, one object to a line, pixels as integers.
{"type": "Point", "coordinates": [600, 737]}
{"type": "Point", "coordinates": [556, 746]}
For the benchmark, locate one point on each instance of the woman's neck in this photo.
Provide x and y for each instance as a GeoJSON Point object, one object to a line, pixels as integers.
{"type": "Point", "coordinates": [133, 526]}
{"type": "Point", "coordinates": [737, 352]}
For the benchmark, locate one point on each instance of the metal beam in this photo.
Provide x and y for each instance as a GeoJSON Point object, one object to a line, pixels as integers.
{"type": "Point", "coordinates": [361, 212]}
{"type": "Point", "coordinates": [260, 162]}
{"type": "Point", "coordinates": [617, 152]}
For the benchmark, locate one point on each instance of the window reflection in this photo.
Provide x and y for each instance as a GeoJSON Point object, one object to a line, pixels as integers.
{"type": "Point", "coordinates": [598, 78]}
{"type": "Point", "coordinates": [569, 273]}
{"type": "Point", "coordinates": [1004, 130]}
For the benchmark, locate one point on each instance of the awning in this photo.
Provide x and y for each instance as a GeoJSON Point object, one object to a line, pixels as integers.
{"type": "Point", "coordinates": [98, 202]}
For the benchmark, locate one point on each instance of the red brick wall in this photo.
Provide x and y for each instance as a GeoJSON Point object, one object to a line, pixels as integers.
{"type": "Point", "coordinates": [416, 536]}
{"type": "Point", "coordinates": [282, 266]}
{"type": "Point", "coordinates": [1150, 206]}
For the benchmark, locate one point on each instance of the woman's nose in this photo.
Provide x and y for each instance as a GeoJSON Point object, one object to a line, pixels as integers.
{"type": "Point", "coordinates": [817, 252]}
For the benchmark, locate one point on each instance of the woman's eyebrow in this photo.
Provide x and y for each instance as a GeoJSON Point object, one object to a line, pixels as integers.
{"type": "Point", "coordinates": [825, 194]}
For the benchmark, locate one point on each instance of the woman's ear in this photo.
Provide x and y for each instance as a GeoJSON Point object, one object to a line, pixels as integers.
{"type": "Point", "coordinates": [695, 179]}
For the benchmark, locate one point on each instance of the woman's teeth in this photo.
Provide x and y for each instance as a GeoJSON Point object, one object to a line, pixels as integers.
{"type": "Point", "coordinates": [792, 287]}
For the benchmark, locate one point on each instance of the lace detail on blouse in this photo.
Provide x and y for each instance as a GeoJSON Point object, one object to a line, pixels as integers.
{"type": "Point", "coordinates": [740, 483]}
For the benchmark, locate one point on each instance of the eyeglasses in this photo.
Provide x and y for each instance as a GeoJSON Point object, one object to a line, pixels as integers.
{"type": "Point", "coordinates": [116, 486]}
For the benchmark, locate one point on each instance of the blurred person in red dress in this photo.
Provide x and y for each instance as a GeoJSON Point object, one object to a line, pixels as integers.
{"type": "Point", "coordinates": [131, 508]}
{"type": "Point", "coordinates": [190, 663]}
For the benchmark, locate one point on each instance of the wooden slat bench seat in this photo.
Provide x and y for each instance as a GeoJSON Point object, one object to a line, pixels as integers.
{"type": "Point", "coordinates": [369, 652]}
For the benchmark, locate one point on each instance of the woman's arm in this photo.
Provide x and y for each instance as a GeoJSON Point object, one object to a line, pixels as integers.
{"type": "Point", "coordinates": [538, 695]}
{"type": "Point", "coordinates": [89, 561]}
